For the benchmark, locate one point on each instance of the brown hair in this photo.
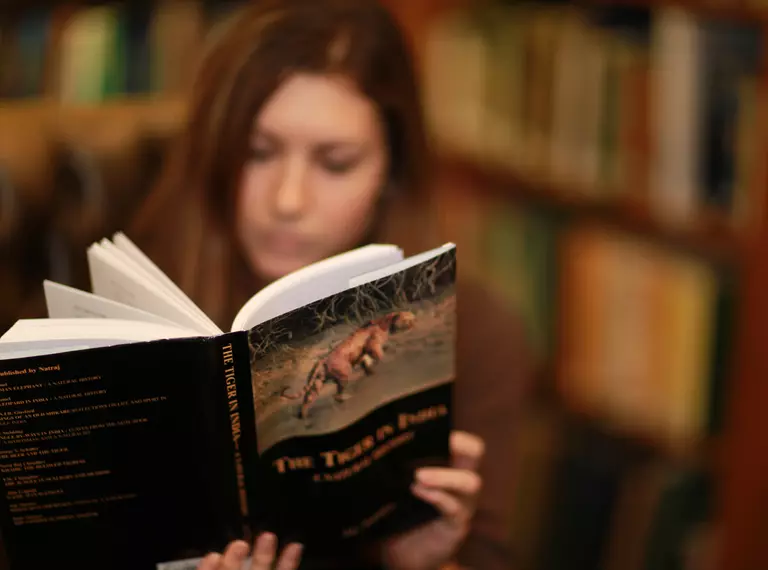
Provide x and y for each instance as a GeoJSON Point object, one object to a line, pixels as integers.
{"type": "Point", "coordinates": [186, 225]}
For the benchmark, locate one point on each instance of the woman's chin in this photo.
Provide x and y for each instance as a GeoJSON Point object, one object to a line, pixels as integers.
{"type": "Point", "coordinates": [272, 267]}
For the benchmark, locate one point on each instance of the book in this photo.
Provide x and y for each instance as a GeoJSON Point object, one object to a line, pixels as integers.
{"type": "Point", "coordinates": [135, 434]}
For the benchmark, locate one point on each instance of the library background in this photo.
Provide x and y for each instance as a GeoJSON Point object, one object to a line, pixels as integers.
{"type": "Point", "coordinates": [601, 164]}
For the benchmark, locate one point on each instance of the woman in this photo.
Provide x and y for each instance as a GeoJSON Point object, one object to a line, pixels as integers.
{"type": "Point", "coordinates": [305, 138]}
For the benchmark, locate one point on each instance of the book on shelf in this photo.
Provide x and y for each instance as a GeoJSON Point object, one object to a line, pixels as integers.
{"type": "Point", "coordinates": [644, 334]}
{"type": "Point", "coordinates": [136, 434]}
{"type": "Point", "coordinates": [652, 108]}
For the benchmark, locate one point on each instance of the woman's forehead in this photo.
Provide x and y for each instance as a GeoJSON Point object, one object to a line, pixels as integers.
{"type": "Point", "coordinates": [312, 106]}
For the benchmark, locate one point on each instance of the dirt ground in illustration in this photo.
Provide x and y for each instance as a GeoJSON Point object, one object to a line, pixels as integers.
{"type": "Point", "coordinates": [415, 360]}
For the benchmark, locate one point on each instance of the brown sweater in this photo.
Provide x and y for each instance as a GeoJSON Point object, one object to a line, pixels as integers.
{"type": "Point", "coordinates": [494, 374]}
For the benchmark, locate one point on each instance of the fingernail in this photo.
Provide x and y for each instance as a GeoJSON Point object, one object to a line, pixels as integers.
{"type": "Point", "coordinates": [267, 542]}
{"type": "Point", "coordinates": [240, 549]}
{"type": "Point", "coordinates": [292, 554]}
{"type": "Point", "coordinates": [423, 477]}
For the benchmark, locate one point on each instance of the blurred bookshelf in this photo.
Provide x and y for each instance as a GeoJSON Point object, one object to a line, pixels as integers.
{"type": "Point", "coordinates": [745, 11]}
{"type": "Point", "coordinates": [710, 236]}
{"type": "Point", "coordinates": [602, 166]}
{"type": "Point", "coordinates": [90, 95]}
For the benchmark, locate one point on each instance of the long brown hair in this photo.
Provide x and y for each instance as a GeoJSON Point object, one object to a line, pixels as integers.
{"type": "Point", "coordinates": [186, 225]}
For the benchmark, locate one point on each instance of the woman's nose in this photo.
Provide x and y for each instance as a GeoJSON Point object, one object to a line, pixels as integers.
{"type": "Point", "coordinates": [290, 200]}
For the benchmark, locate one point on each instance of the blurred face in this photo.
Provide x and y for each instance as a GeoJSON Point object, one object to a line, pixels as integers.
{"type": "Point", "coordinates": [317, 165]}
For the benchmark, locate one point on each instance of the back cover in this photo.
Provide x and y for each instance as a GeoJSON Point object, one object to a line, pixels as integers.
{"type": "Point", "coordinates": [118, 457]}
{"type": "Point", "coordinates": [351, 394]}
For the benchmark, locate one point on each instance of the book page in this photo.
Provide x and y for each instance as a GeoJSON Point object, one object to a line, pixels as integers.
{"type": "Point", "coordinates": [21, 349]}
{"type": "Point", "coordinates": [313, 283]}
{"type": "Point", "coordinates": [66, 302]}
{"type": "Point", "coordinates": [124, 244]}
{"type": "Point", "coordinates": [87, 331]}
{"type": "Point", "coordinates": [148, 276]}
{"type": "Point", "coordinates": [113, 280]}
{"type": "Point", "coordinates": [412, 261]}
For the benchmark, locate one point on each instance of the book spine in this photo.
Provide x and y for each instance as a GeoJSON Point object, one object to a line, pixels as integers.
{"type": "Point", "coordinates": [235, 371]}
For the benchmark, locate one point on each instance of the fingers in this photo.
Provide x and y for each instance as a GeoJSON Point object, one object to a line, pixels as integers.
{"type": "Point", "coordinates": [290, 558]}
{"type": "Point", "coordinates": [210, 562]}
{"type": "Point", "coordinates": [263, 556]}
{"type": "Point", "coordinates": [453, 490]}
{"type": "Point", "coordinates": [459, 481]}
{"type": "Point", "coordinates": [264, 550]}
{"type": "Point", "coordinates": [234, 556]}
{"type": "Point", "coordinates": [449, 506]}
{"type": "Point", "coordinates": [467, 450]}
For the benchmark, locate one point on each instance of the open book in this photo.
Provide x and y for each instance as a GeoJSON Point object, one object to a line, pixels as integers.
{"type": "Point", "coordinates": [135, 434]}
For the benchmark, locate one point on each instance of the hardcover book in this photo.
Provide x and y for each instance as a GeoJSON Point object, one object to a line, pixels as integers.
{"type": "Point", "coordinates": [137, 435]}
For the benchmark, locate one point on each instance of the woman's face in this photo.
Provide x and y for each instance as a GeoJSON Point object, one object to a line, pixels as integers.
{"type": "Point", "coordinates": [316, 168]}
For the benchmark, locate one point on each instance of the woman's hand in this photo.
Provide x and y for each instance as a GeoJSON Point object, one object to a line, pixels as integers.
{"type": "Point", "coordinates": [263, 557]}
{"type": "Point", "coordinates": [453, 491]}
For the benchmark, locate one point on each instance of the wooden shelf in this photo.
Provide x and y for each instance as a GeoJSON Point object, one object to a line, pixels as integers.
{"type": "Point", "coordinates": [704, 453]}
{"type": "Point", "coordinates": [713, 9]}
{"type": "Point", "coordinates": [160, 114]}
{"type": "Point", "coordinates": [126, 102]}
{"type": "Point", "coordinates": [711, 237]}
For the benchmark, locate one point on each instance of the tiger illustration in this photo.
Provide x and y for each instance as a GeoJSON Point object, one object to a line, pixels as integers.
{"type": "Point", "coordinates": [364, 348]}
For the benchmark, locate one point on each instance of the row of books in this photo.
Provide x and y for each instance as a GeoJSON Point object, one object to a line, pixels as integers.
{"type": "Point", "coordinates": [76, 52]}
{"type": "Point", "coordinates": [638, 336]}
{"type": "Point", "coordinates": [586, 503]}
{"type": "Point", "coordinates": [60, 190]}
{"type": "Point", "coordinates": [644, 336]}
{"type": "Point", "coordinates": [657, 107]}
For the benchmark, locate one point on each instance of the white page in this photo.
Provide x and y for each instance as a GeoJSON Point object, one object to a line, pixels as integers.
{"type": "Point", "coordinates": [150, 278]}
{"type": "Point", "coordinates": [128, 263]}
{"type": "Point", "coordinates": [159, 285]}
{"type": "Point", "coordinates": [123, 243]}
{"type": "Point", "coordinates": [24, 349]}
{"type": "Point", "coordinates": [87, 331]}
{"type": "Point", "coordinates": [112, 280]}
{"type": "Point", "coordinates": [66, 302]}
{"type": "Point", "coordinates": [367, 277]}
{"type": "Point", "coordinates": [312, 283]}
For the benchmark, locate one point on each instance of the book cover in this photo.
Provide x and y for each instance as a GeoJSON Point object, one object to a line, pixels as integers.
{"type": "Point", "coordinates": [328, 430]}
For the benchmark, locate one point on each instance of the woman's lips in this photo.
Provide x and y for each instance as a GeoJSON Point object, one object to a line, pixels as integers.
{"type": "Point", "coordinates": [284, 244]}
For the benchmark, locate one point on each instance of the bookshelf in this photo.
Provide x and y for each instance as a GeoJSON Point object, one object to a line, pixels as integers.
{"type": "Point", "coordinates": [745, 451]}
{"type": "Point", "coordinates": [486, 179]}
{"type": "Point", "coordinates": [709, 237]}
{"type": "Point", "coordinates": [89, 92]}
{"type": "Point", "coordinates": [734, 11]}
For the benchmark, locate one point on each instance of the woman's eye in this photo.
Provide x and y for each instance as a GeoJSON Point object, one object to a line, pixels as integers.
{"type": "Point", "coordinates": [257, 154]}
{"type": "Point", "coordinates": [338, 166]}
